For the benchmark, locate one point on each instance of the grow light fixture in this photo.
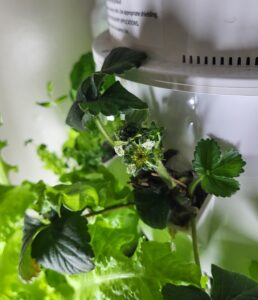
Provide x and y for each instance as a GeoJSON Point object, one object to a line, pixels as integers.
{"type": "Point", "coordinates": [201, 46]}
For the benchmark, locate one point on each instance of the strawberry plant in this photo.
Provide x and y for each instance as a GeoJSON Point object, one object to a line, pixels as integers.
{"type": "Point", "coordinates": [88, 237]}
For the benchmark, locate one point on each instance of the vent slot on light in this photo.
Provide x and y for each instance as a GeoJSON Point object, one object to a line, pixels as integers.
{"type": "Point", "coordinates": [220, 61]}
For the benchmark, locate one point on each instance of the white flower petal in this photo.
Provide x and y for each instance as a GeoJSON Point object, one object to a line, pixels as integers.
{"type": "Point", "coordinates": [119, 150]}
{"type": "Point", "coordinates": [148, 145]}
{"type": "Point", "coordinates": [110, 118]}
{"type": "Point", "coordinates": [131, 169]}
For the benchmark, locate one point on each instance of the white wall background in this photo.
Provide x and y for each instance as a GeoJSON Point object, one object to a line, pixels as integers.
{"type": "Point", "coordinates": [39, 41]}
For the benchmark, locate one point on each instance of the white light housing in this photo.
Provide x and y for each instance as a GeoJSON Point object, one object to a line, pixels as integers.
{"type": "Point", "coordinates": [198, 46]}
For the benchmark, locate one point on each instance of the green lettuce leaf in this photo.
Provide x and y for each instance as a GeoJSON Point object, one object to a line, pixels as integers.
{"type": "Point", "coordinates": [5, 168]}
{"type": "Point", "coordinates": [140, 277]}
{"type": "Point", "coordinates": [11, 286]}
{"type": "Point", "coordinates": [13, 203]}
{"type": "Point", "coordinates": [84, 148]}
{"type": "Point", "coordinates": [51, 160]}
{"type": "Point", "coordinates": [60, 284]}
{"type": "Point", "coordinates": [114, 235]}
{"type": "Point", "coordinates": [109, 190]}
{"type": "Point", "coordinates": [74, 196]}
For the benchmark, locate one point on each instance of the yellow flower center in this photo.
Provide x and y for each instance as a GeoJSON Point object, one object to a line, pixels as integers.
{"type": "Point", "coordinates": [140, 157]}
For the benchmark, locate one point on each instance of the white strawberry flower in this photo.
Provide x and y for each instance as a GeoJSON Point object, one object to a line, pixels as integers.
{"type": "Point", "coordinates": [148, 145]}
{"type": "Point", "coordinates": [131, 169]}
{"type": "Point", "coordinates": [119, 150]}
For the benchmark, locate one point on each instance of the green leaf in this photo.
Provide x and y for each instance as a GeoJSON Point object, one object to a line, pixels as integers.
{"type": "Point", "coordinates": [82, 69]}
{"type": "Point", "coordinates": [108, 81]}
{"type": "Point", "coordinates": [220, 186]}
{"type": "Point", "coordinates": [89, 89]}
{"type": "Point", "coordinates": [3, 144]}
{"type": "Point", "coordinates": [85, 148]}
{"type": "Point", "coordinates": [114, 97]}
{"type": "Point", "coordinates": [167, 264]}
{"type": "Point", "coordinates": [75, 116]}
{"type": "Point", "coordinates": [42, 204]}
{"type": "Point", "coordinates": [116, 280]}
{"type": "Point", "coordinates": [75, 196]}
{"type": "Point", "coordinates": [122, 59]}
{"type": "Point", "coordinates": [60, 99]}
{"type": "Point", "coordinates": [115, 100]}
{"type": "Point", "coordinates": [28, 267]}
{"type": "Point", "coordinates": [206, 157]}
{"type": "Point", "coordinates": [110, 191]}
{"type": "Point", "coordinates": [253, 269]}
{"type": "Point", "coordinates": [116, 241]}
{"type": "Point", "coordinates": [216, 170]}
{"type": "Point", "coordinates": [63, 246]}
{"type": "Point", "coordinates": [93, 86]}
{"type": "Point", "coordinates": [11, 285]}
{"type": "Point", "coordinates": [5, 168]}
{"type": "Point", "coordinates": [118, 169]}
{"type": "Point", "coordinates": [51, 160]}
{"type": "Point", "coordinates": [88, 92]}
{"type": "Point", "coordinates": [153, 206]}
{"type": "Point", "coordinates": [229, 285]}
{"type": "Point", "coordinates": [79, 196]}
{"type": "Point", "coordinates": [181, 208]}
{"type": "Point", "coordinates": [173, 292]}
{"type": "Point", "coordinates": [13, 203]}
{"type": "Point", "coordinates": [60, 284]}
{"type": "Point", "coordinates": [50, 89]}
{"type": "Point", "coordinates": [137, 117]}
{"type": "Point", "coordinates": [139, 277]}
{"type": "Point", "coordinates": [72, 94]}
{"type": "Point", "coordinates": [46, 104]}
{"type": "Point", "coordinates": [230, 164]}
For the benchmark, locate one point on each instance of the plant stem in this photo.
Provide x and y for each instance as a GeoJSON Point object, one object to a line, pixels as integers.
{"type": "Point", "coordinates": [194, 185]}
{"type": "Point", "coordinates": [109, 209]}
{"type": "Point", "coordinates": [102, 129]}
{"type": "Point", "coordinates": [195, 242]}
{"type": "Point", "coordinates": [192, 189]}
{"type": "Point", "coordinates": [167, 178]}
